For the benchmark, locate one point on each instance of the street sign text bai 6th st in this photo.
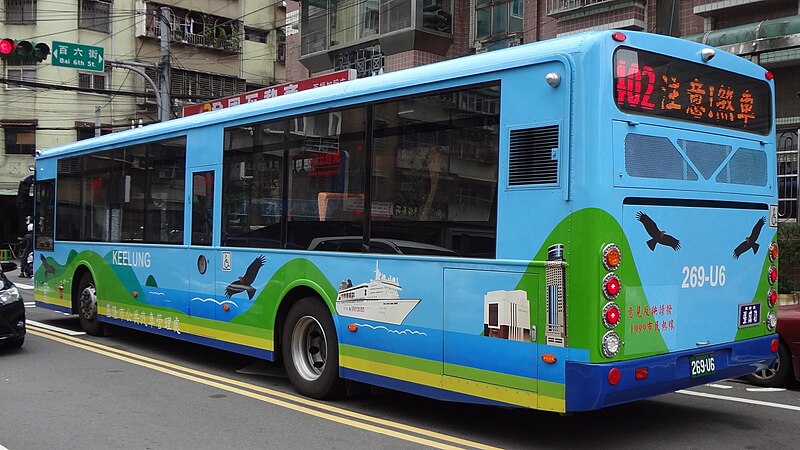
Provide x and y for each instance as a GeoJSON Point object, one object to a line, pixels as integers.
{"type": "Point", "coordinates": [78, 56]}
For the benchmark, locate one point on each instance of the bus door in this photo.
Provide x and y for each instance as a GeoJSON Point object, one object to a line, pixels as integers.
{"type": "Point", "coordinates": [202, 272]}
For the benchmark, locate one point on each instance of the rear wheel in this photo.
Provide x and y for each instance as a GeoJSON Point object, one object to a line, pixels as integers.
{"type": "Point", "coordinates": [777, 376]}
{"type": "Point", "coordinates": [311, 350]}
{"type": "Point", "coordinates": [87, 306]}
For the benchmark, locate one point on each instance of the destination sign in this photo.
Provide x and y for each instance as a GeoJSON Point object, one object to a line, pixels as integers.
{"type": "Point", "coordinates": [657, 85]}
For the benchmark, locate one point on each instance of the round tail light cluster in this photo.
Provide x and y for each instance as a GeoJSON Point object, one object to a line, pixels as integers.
{"type": "Point", "coordinates": [611, 314]}
{"type": "Point", "coordinates": [773, 252]}
{"type": "Point", "coordinates": [772, 297]}
{"type": "Point", "coordinates": [611, 344]}
{"type": "Point", "coordinates": [772, 275]}
{"type": "Point", "coordinates": [772, 320]}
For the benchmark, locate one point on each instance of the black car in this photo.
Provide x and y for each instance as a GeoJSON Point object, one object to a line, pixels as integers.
{"type": "Point", "coordinates": [12, 310]}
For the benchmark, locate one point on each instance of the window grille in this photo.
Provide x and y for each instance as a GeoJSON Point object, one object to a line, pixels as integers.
{"type": "Point", "coordinates": [20, 140]}
{"type": "Point", "coordinates": [95, 15]}
{"type": "Point", "coordinates": [20, 11]}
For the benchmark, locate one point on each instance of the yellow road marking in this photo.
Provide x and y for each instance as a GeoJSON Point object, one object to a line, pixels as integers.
{"type": "Point", "coordinates": [195, 375]}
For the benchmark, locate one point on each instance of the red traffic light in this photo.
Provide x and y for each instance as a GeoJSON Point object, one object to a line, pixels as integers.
{"type": "Point", "coordinates": [24, 50]}
{"type": "Point", "coordinates": [7, 46]}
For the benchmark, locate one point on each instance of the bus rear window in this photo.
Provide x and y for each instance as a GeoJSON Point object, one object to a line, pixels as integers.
{"type": "Point", "coordinates": [656, 85]}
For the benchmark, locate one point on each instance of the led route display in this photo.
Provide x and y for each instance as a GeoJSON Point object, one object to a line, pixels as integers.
{"type": "Point", "coordinates": [657, 85]}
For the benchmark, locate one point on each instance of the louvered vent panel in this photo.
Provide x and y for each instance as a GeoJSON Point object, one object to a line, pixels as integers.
{"type": "Point", "coordinates": [69, 166]}
{"type": "Point", "coordinates": [534, 156]}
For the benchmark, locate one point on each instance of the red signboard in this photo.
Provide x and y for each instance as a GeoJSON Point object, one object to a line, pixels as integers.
{"type": "Point", "coordinates": [271, 91]}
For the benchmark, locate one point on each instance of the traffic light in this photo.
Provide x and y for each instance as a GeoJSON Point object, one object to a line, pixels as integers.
{"type": "Point", "coordinates": [24, 50]}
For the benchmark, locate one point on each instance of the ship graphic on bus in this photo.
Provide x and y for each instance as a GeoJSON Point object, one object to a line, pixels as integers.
{"type": "Point", "coordinates": [377, 300]}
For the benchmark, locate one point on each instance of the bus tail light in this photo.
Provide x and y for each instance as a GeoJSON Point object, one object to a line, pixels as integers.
{"type": "Point", "coordinates": [772, 320]}
{"type": "Point", "coordinates": [773, 252]}
{"type": "Point", "coordinates": [769, 75]}
{"type": "Point", "coordinates": [611, 315]}
{"type": "Point", "coordinates": [611, 286]}
{"type": "Point", "coordinates": [772, 297]}
{"type": "Point", "coordinates": [774, 346]}
{"type": "Point", "coordinates": [619, 36]}
{"type": "Point", "coordinates": [772, 275]}
{"type": "Point", "coordinates": [641, 373]}
{"type": "Point", "coordinates": [614, 376]}
{"type": "Point", "coordinates": [612, 257]}
{"type": "Point", "coordinates": [611, 344]}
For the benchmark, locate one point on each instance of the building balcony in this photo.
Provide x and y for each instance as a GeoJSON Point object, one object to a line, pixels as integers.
{"type": "Point", "coordinates": [197, 29]}
{"type": "Point", "coordinates": [329, 27]}
{"type": "Point", "coordinates": [570, 9]}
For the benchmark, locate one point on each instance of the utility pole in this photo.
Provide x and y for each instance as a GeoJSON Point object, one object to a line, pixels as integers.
{"type": "Point", "coordinates": [96, 121]}
{"type": "Point", "coordinates": [166, 71]}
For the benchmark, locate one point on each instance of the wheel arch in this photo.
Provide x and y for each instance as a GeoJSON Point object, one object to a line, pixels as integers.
{"type": "Point", "coordinates": [290, 297]}
{"type": "Point", "coordinates": [80, 271]}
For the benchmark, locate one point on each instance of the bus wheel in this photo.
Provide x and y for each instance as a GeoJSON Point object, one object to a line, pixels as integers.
{"type": "Point", "coordinates": [87, 306]}
{"type": "Point", "coordinates": [311, 350]}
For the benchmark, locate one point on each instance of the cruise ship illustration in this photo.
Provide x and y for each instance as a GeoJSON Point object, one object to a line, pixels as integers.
{"type": "Point", "coordinates": [378, 300]}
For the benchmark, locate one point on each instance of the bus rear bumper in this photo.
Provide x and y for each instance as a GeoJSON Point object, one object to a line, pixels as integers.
{"type": "Point", "coordinates": [588, 386]}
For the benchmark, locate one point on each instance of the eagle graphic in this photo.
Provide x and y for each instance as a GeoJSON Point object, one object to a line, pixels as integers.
{"type": "Point", "coordinates": [48, 268]}
{"type": "Point", "coordinates": [750, 241]}
{"type": "Point", "coordinates": [244, 282]}
{"type": "Point", "coordinates": [658, 236]}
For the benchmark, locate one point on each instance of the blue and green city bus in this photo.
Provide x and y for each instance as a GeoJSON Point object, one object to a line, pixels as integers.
{"type": "Point", "coordinates": [565, 225]}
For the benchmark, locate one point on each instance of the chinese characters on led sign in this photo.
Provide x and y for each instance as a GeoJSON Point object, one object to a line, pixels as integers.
{"type": "Point", "coordinates": [657, 85]}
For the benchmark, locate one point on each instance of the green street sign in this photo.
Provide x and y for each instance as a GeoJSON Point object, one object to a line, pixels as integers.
{"type": "Point", "coordinates": [77, 56]}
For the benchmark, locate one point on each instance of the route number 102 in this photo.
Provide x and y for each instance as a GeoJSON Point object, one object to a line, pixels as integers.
{"type": "Point", "coordinates": [699, 276]}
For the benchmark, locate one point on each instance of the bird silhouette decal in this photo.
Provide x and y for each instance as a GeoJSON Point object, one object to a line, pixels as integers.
{"type": "Point", "coordinates": [658, 236]}
{"type": "Point", "coordinates": [244, 282]}
{"type": "Point", "coordinates": [46, 266]}
{"type": "Point", "coordinates": [750, 241]}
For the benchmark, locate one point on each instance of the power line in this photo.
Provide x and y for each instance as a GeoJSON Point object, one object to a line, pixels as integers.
{"type": "Point", "coordinates": [97, 91]}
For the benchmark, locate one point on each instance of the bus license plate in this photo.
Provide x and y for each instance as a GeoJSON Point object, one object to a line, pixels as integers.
{"type": "Point", "coordinates": [702, 365]}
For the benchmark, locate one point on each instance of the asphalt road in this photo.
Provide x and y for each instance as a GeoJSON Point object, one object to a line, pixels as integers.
{"type": "Point", "coordinates": [67, 390]}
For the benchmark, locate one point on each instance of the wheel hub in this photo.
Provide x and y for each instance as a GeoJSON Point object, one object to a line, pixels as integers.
{"type": "Point", "coordinates": [88, 303]}
{"type": "Point", "coordinates": [309, 348]}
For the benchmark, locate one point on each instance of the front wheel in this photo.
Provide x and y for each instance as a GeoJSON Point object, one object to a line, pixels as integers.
{"type": "Point", "coordinates": [311, 350]}
{"type": "Point", "coordinates": [13, 344]}
{"type": "Point", "coordinates": [777, 376]}
{"type": "Point", "coordinates": [87, 306]}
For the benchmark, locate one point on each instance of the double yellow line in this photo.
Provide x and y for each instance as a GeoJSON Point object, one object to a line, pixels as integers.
{"type": "Point", "coordinates": [295, 403]}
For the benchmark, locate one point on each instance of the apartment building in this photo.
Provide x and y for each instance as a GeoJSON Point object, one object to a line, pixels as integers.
{"type": "Point", "coordinates": [377, 36]}
{"type": "Point", "coordinates": [217, 48]}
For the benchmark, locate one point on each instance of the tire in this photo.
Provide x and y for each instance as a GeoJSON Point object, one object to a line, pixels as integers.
{"type": "Point", "coordinates": [87, 306]}
{"type": "Point", "coordinates": [779, 375]}
{"type": "Point", "coordinates": [14, 344]}
{"type": "Point", "coordinates": [311, 350]}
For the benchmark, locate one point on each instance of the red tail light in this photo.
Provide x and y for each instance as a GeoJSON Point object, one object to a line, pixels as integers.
{"type": "Point", "coordinates": [772, 275]}
{"type": "Point", "coordinates": [611, 286]}
{"type": "Point", "coordinates": [611, 315]}
{"type": "Point", "coordinates": [772, 297]}
{"type": "Point", "coordinates": [619, 36]}
{"type": "Point", "coordinates": [613, 376]}
{"type": "Point", "coordinates": [774, 346]}
{"type": "Point", "coordinates": [641, 373]}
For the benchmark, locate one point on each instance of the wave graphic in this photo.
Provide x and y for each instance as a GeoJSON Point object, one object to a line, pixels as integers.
{"type": "Point", "coordinates": [220, 303]}
{"type": "Point", "coordinates": [156, 293]}
{"type": "Point", "coordinates": [381, 327]}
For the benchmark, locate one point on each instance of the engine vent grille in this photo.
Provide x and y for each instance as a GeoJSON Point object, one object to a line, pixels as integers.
{"type": "Point", "coordinates": [533, 156]}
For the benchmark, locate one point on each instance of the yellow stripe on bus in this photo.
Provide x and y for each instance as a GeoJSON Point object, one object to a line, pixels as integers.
{"type": "Point", "coordinates": [462, 386]}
